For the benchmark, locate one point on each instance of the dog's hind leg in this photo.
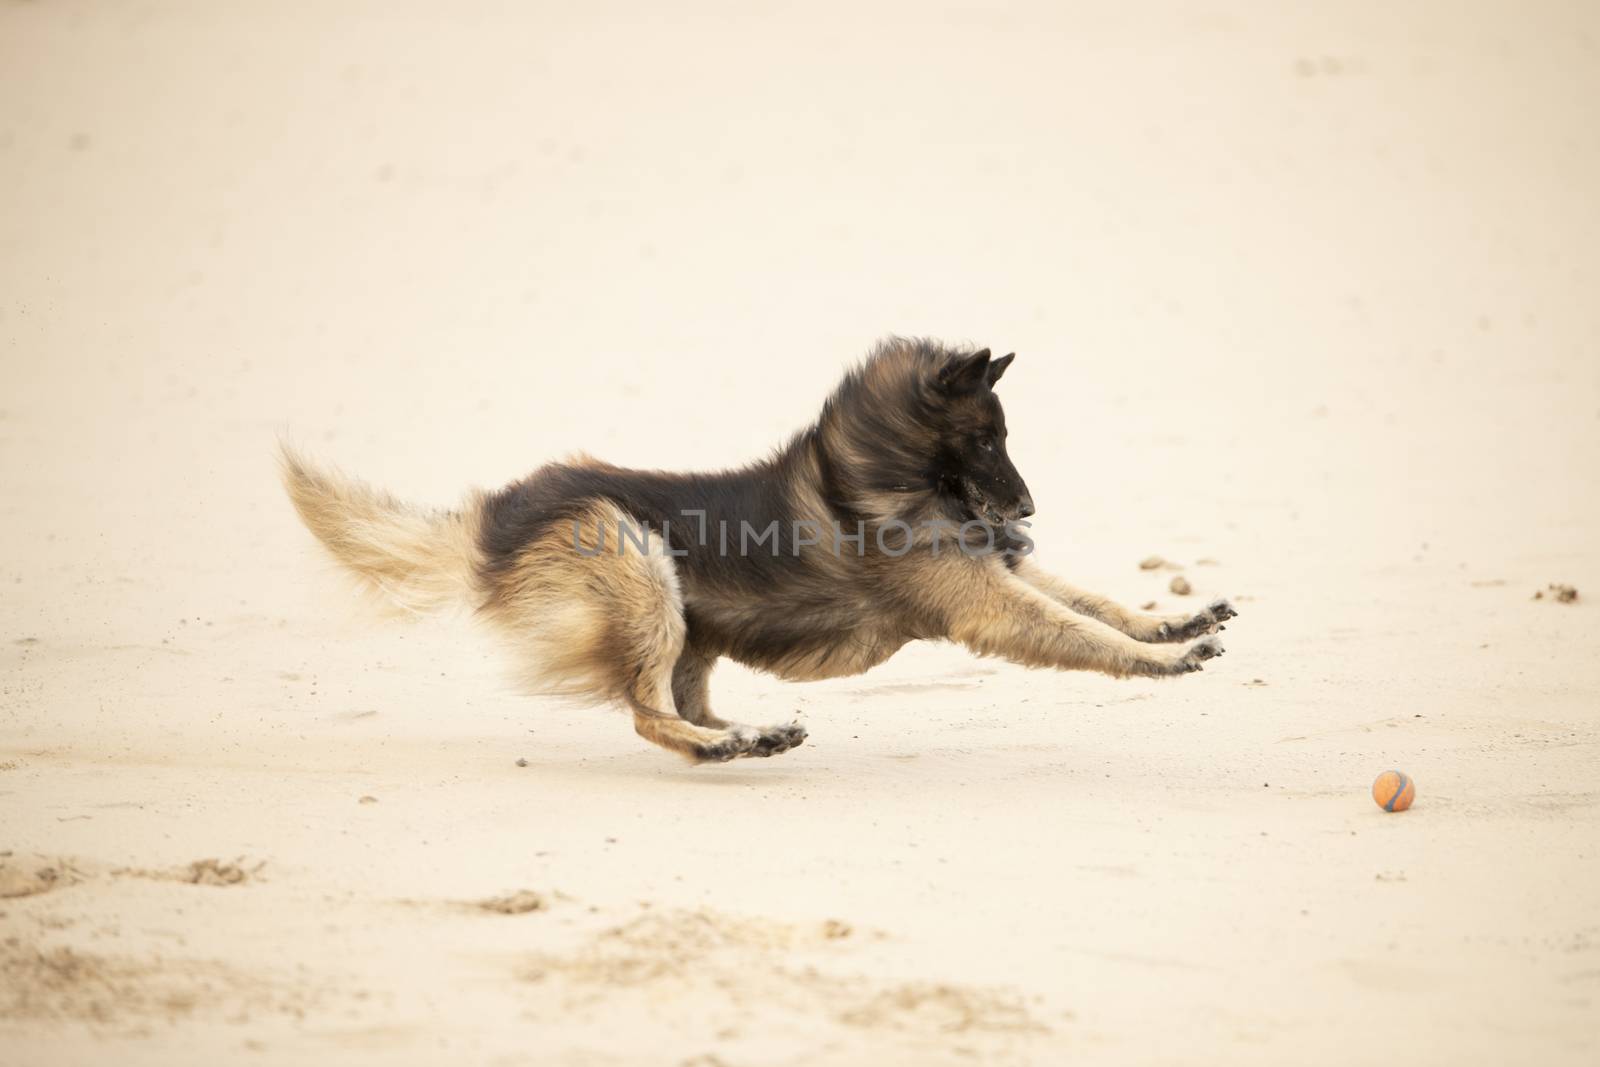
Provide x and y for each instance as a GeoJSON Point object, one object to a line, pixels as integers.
{"type": "Point", "coordinates": [1137, 625]}
{"type": "Point", "coordinates": [650, 651]}
{"type": "Point", "coordinates": [608, 625]}
{"type": "Point", "coordinates": [691, 688]}
{"type": "Point", "coordinates": [691, 691]}
{"type": "Point", "coordinates": [649, 637]}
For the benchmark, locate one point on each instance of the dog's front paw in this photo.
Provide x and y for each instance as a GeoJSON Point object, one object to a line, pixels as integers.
{"type": "Point", "coordinates": [778, 739]}
{"type": "Point", "coordinates": [1166, 664]}
{"type": "Point", "coordinates": [1207, 621]}
{"type": "Point", "coordinates": [1194, 657]}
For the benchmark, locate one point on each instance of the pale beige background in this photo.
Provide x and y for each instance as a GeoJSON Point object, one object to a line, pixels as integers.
{"type": "Point", "coordinates": [1308, 289]}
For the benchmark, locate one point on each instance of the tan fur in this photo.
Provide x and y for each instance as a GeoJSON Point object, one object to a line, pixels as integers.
{"type": "Point", "coordinates": [565, 609]}
{"type": "Point", "coordinates": [415, 561]}
{"type": "Point", "coordinates": [1136, 624]}
{"type": "Point", "coordinates": [993, 612]}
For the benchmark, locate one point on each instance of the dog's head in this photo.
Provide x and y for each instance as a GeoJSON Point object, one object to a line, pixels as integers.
{"type": "Point", "coordinates": [969, 462]}
{"type": "Point", "coordinates": [916, 433]}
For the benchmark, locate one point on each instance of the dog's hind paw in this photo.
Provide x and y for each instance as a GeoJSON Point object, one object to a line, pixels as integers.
{"type": "Point", "coordinates": [777, 739]}
{"type": "Point", "coordinates": [735, 741]}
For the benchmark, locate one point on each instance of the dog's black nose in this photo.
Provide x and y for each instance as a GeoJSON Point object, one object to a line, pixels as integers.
{"type": "Point", "coordinates": [1025, 507]}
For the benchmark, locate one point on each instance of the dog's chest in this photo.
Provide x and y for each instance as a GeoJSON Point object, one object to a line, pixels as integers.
{"type": "Point", "coordinates": [846, 653]}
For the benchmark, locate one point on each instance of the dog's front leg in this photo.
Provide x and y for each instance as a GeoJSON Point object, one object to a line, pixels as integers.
{"type": "Point", "coordinates": [994, 613]}
{"type": "Point", "coordinates": [1137, 625]}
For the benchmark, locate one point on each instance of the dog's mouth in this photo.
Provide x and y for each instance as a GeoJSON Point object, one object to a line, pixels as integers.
{"type": "Point", "coordinates": [988, 513]}
{"type": "Point", "coordinates": [981, 509]}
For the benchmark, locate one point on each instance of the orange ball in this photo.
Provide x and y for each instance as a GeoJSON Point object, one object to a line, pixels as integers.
{"type": "Point", "coordinates": [1394, 791]}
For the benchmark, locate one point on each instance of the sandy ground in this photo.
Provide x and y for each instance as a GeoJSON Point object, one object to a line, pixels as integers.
{"type": "Point", "coordinates": [1308, 293]}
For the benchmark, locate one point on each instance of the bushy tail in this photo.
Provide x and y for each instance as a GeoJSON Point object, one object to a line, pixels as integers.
{"type": "Point", "coordinates": [418, 561]}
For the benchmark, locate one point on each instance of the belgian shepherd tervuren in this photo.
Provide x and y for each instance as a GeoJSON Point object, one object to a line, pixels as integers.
{"type": "Point", "coordinates": [895, 517]}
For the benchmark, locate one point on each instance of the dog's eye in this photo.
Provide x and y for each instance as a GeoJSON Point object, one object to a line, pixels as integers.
{"type": "Point", "coordinates": [986, 443]}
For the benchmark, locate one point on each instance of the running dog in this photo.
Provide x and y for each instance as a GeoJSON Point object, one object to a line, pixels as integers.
{"type": "Point", "coordinates": [896, 517]}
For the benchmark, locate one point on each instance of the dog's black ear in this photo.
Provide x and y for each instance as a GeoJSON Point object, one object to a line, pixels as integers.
{"type": "Point", "coordinates": [964, 373]}
{"type": "Point", "coordinates": [998, 367]}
